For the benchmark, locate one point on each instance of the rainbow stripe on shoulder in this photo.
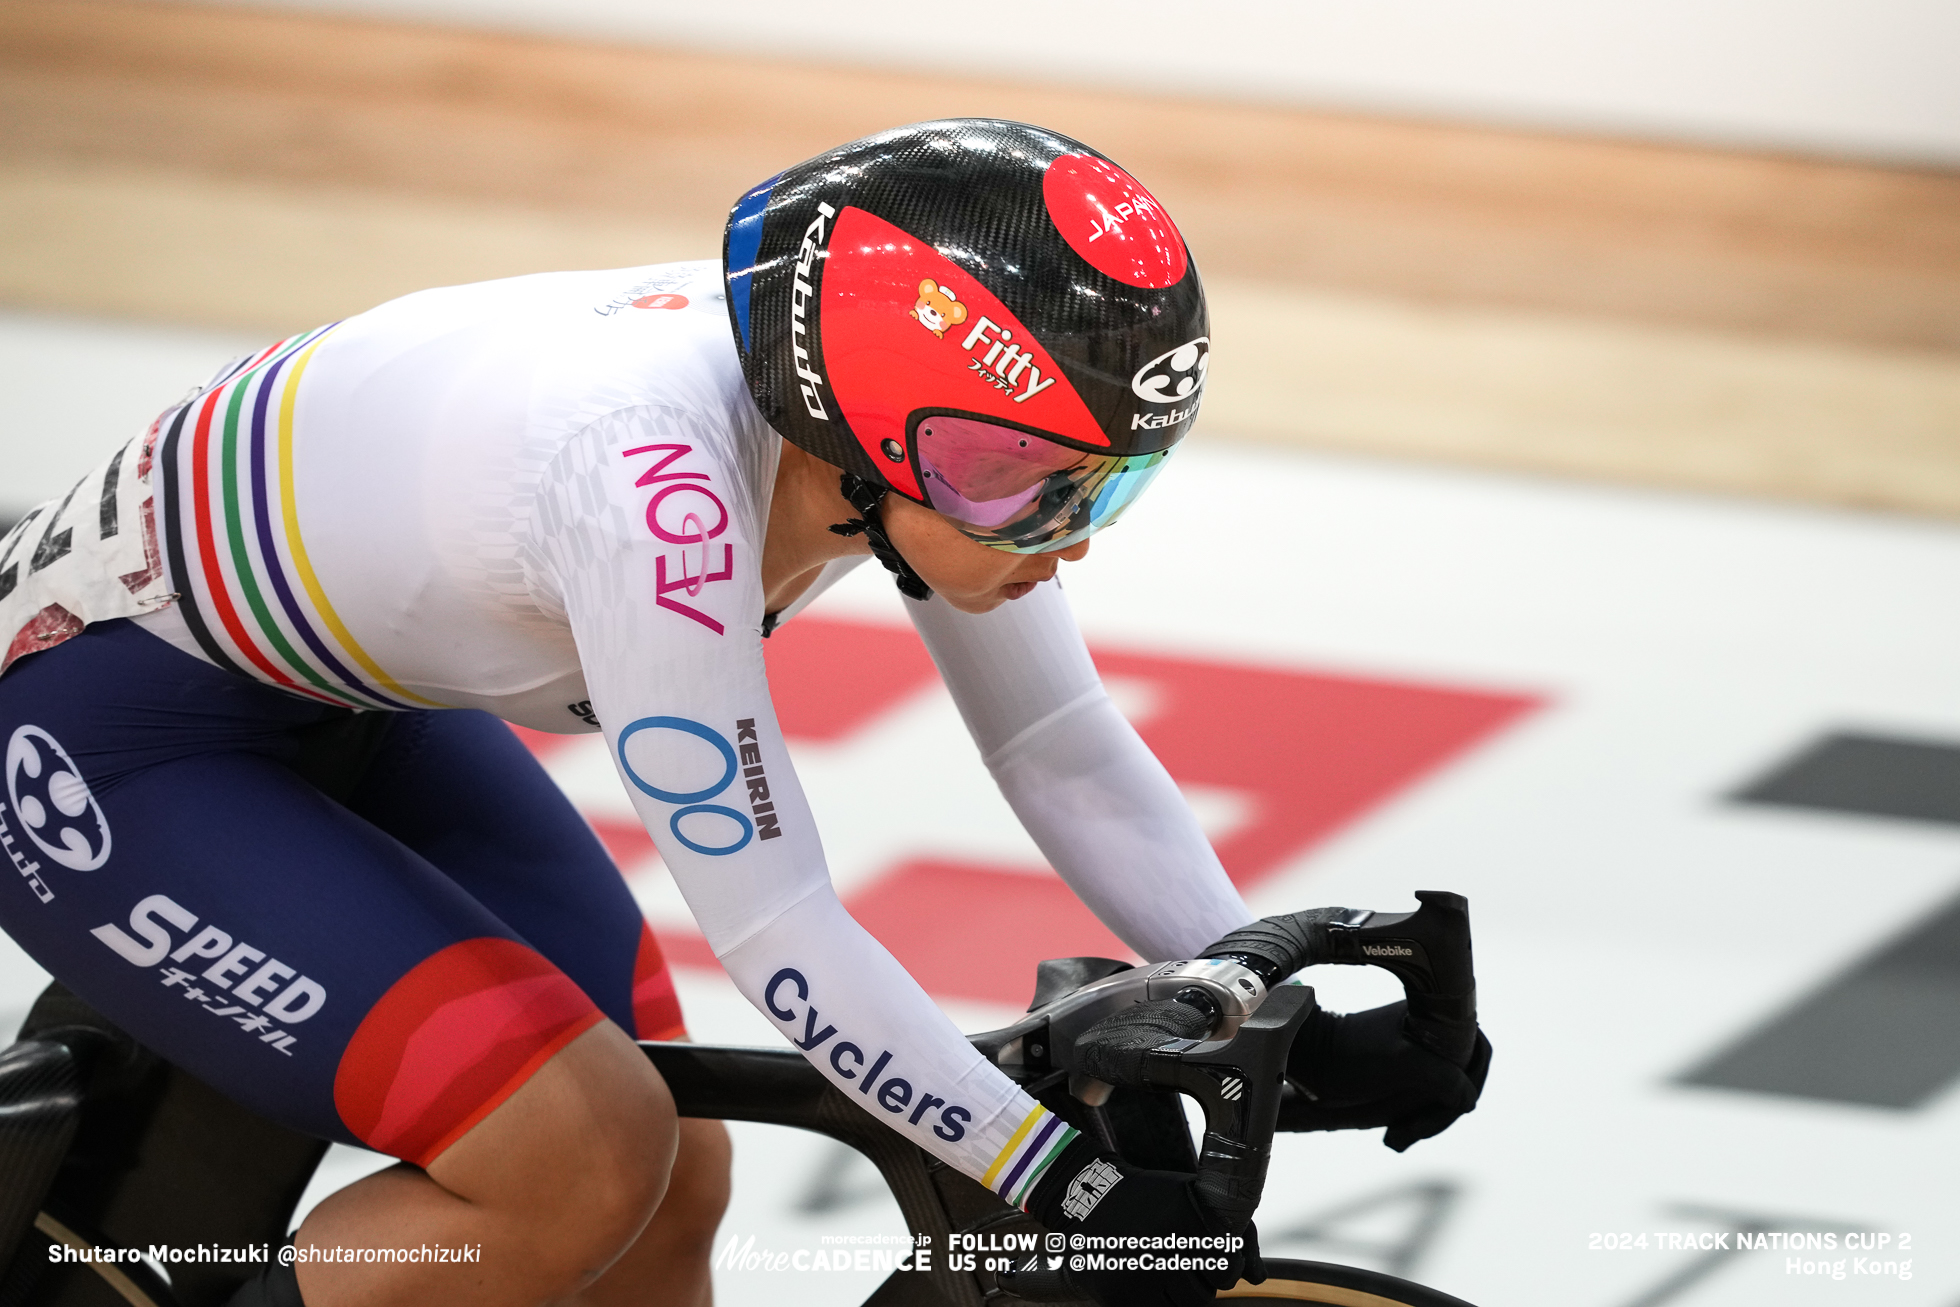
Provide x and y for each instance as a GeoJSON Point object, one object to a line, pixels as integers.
{"type": "Point", "coordinates": [247, 589]}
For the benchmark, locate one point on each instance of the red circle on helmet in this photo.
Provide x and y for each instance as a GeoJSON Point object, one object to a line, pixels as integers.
{"type": "Point", "coordinates": [1112, 222]}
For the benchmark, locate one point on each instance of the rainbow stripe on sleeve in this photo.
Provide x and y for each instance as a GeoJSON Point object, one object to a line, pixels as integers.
{"type": "Point", "coordinates": [1034, 1146]}
{"type": "Point", "coordinates": [247, 589]}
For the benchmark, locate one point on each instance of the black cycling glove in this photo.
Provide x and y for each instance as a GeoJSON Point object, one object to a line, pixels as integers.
{"type": "Point", "coordinates": [1116, 1048]}
{"type": "Point", "coordinates": [1093, 1193]}
{"type": "Point", "coordinates": [1360, 1070]}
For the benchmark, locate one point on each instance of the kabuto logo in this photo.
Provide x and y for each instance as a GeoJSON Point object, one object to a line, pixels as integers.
{"type": "Point", "coordinates": [801, 293]}
{"type": "Point", "coordinates": [1175, 375]}
{"type": "Point", "coordinates": [30, 870]}
{"type": "Point", "coordinates": [1160, 421]}
{"type": "Point", "coordinates": [46, 791]}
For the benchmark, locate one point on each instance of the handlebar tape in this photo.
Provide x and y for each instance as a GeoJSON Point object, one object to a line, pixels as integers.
{"type": "Point", "coordinates": [1428, 950]}
{"type": "Point", "coordinates": [1284, 944]}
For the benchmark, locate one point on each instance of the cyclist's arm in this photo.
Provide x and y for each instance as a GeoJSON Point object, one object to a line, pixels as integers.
{"type": "Point", "coordinates": [686, 714]}
{"type": "Point", "coordinates": [1096, 800]}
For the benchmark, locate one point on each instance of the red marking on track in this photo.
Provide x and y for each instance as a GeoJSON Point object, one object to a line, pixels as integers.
{"type": "Point", "coordinates": [1308, 753]}
{"type": "Point", "coordinates": [656, 1008]}
{"type": "Point", "coordinates": [685, 948]}
{"type": "Point", "coordinates": [627, 841]}
{"type": "Point", "coordinates": [542, 744]}
{"type": "Point", "coordinates": [828, 678]}
{"type": "Point", "coordinates": [1314, 752]}
{"type": "Point", "coordinates": [976, 931]}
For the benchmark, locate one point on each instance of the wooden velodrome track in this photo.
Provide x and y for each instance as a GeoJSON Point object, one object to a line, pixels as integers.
{"type": "Point", "coordinates": [1662, 315]}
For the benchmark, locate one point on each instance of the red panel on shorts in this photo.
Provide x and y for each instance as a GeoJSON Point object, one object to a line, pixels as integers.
{"type": "Point", "coordinates": [450, 1041]}
{"type": "Point", "coordinates": [656, 1008]}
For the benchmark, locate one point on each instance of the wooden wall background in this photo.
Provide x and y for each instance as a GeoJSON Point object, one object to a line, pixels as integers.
{"type": "Point", "coordinates": [1654, 314]}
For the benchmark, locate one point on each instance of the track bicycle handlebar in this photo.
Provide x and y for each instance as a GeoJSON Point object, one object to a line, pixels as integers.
{"type": "Point", "coordinates": [1236, 1072]}
{"type": "Point", "coordinates": [1428, 950]}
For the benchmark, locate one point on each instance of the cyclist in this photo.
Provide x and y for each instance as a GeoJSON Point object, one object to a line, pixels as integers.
{"type": "Point", "coordinates": [265, 816]}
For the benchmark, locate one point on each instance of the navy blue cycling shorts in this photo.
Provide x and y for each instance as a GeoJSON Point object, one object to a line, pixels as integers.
{"type": "Point", "coordinates": [384, 967]}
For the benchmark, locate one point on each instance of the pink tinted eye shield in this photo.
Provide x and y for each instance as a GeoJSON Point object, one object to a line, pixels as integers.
{"type": "Point", "coordinates": [1019, 491]}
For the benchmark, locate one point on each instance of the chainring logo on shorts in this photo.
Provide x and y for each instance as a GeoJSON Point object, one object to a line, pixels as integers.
{"type": "Point", "coordinates": [53, 802]}
{"type": "Point", "coordinates": [1175, 375]}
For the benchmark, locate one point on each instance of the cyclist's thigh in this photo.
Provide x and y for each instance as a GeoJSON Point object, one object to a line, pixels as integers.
{"type": "Point", "coordinates": [184, 881]}
{"type": "Point", "coordinates": [458, 788]}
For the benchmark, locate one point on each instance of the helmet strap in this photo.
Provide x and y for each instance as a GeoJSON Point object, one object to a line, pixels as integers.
{"type": "Point", "coordinates": [865, 496]}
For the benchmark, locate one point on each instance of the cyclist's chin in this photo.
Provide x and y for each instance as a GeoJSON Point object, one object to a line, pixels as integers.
{"type": "Point", "coordinates": [984, 601]}
{"type": "Point", "coordinates": [965, 573]}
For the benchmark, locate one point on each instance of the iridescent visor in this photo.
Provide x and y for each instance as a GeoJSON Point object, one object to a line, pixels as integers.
{"type": "Point", "coordinates": [1018, 491]}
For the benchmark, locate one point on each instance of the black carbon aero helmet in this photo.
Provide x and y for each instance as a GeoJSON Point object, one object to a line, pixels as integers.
{"type": "Point", "coordinates": [988, 318]}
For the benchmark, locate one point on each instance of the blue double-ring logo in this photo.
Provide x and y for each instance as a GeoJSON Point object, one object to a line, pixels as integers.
{"type": "Point", "coordinates": [694, 801]}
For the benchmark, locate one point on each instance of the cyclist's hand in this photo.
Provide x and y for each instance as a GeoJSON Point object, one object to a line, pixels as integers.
{"type": "Point", "coordinates": [1254, 1270]}
{"type": "Point", "coordinates": [1115, 1049]}
{"type": "Point", "coordinates": [1095, 1194]}
{"type": "Point", "coordinates": [1360, 1071]}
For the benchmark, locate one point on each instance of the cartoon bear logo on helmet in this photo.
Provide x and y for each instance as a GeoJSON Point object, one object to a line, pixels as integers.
{"type": "Point", "coordinates": [937, 309]}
